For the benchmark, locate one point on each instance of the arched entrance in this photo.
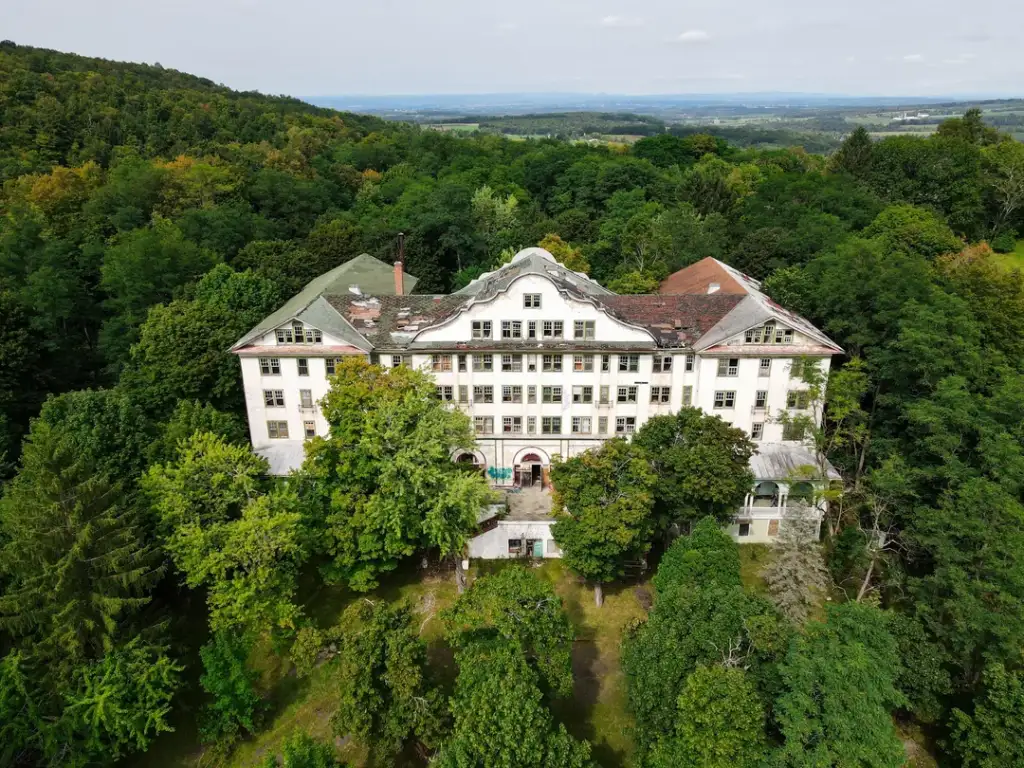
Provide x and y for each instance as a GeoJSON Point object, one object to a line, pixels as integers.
{"type": "Point", "coordinates": [530, 468]}
{"type": "Point", "coordinates": [766, 494]}
{"type": "Point", "coordinates": [470, 460]}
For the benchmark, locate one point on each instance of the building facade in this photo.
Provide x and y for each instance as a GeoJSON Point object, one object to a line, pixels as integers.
{"type": "Point", "coordinates": [547, 362]}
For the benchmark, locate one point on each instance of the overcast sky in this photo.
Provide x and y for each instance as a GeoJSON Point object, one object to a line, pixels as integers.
{"type": "Point", "coordinates": [341, 47]}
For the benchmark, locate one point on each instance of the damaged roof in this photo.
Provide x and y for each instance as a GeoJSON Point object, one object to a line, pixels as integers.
{"type": "Point", "coordinates": [675, 321]}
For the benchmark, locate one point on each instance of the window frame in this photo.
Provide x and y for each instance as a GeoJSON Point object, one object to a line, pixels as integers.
{"type": "Point", "coordinates": [727, 398]}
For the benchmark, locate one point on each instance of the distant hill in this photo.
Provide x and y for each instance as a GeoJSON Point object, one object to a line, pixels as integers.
{"type": "Point", "coordinates": [70, 109]}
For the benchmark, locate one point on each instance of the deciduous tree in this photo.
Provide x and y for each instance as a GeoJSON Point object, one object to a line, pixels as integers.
{"type": "Point", "coordinates": [603, 503]}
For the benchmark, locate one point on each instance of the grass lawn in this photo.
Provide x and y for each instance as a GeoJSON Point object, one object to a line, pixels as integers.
{"type": "Point", "coordinates": [1013, 260]}
{"type": "Point", "coordinates": [596, 711]}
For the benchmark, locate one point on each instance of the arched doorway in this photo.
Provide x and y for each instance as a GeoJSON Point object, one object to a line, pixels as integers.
{"type": "Point", "coordinates": [530, 468]}
{"type": "Point", "coordinates": [470, 460]}
{"type": "Point", "coordinates": [801, 493]}
{"type": "Point", "coordinates": [766, 494]}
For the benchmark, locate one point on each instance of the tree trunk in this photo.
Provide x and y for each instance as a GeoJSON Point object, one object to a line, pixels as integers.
{"type": "Point", "coordinates": [460, 575]}
{"type": "Point", "coordinates": [598, 594]}
{"type": "Point", "coordinates": [866, 584]}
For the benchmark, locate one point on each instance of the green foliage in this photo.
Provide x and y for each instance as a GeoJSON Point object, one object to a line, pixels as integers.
{"type": "Point", "coordinates": [223, 533]}
{"type": "Point", "coordinates": [603, 501]}
{"type": "Point", "coordinates": [385, 698]}
{"type": "Point", "coordinates": [633, 282]}
{"type": "Point", "coordinates": [235, 706]}
{"type": "Point", "coordinates": [499, 717]}
{"type": "Point", "coordinates": [708, 555]}
{"type": "Point", "coordinates": [990, 735]}
{"type": "Point", "coordinates": [74, 562]}
{"type": "Point", "coordinates": [839, 692]}
{"type": "Point", "coordinates": [854, 156]}
{"type": "Point", "coordinates": [796, 576]}
{"type": "Point", "coordinates": [922, 677]}
{"type": "Point", "coordinates": [303, 751]}
{"type": "Point", "coordinates": [382, 485]}
{"type": "Point", "coordinates": [119, 704]}
{"type": "Point", "coordinates": [914, 230]}
{"type": "Point", "coordinates": [720, 723]}
{"type": "Point", "coordinates": [182, 352]}
{"type": "Point", "coordinates": [189, 417]}
{"type": "Point", "coordinates": [520, 607]}
{"type": "Point", "coordinates": [702, 466]}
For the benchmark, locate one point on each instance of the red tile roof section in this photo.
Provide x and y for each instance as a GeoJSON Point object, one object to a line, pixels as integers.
{"type": "Point", "coordinates": [696, 278]}
{"type": "Point", "coordinates": [674, 320]}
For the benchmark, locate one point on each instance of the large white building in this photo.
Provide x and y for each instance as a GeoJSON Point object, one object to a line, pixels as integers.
{"type": "Point", "coordinates": [546, 362]}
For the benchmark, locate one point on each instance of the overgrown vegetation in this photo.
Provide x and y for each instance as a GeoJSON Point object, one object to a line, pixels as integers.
{"type": "Point", "coordinates": [149, 217]}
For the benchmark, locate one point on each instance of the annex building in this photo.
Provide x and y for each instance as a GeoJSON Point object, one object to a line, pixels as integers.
{"type": "Point", "coordinates": [546, 362]}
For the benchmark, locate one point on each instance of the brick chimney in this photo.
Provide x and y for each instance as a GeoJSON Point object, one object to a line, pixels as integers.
{"type": "Point", "coordinates": [399, 279]}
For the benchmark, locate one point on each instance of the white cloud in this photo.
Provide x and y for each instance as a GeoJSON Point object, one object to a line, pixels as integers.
{"type": "Point", "coordinates": [913, 57]}
{"type": "Point", "coordinates": [621, 21]}
{"type": "Point", "coordinates": [508, 26]}
{"type": "Point", "coordinates": [694, 36]}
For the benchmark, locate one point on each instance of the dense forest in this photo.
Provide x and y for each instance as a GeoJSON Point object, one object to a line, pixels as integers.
{"type": "Point", "coordinates": [149, 218]}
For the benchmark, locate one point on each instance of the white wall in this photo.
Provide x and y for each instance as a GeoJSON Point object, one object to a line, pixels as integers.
{"type": "Point", "coordinates": [493, 544]}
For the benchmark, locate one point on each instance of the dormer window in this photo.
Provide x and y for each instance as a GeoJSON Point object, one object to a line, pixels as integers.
{"type": "Point", "coordinates": [284, 335]}
{"type": "Point", "coordinates": [531, 301]}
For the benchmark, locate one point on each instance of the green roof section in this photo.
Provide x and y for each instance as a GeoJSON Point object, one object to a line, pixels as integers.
{"type": "Point", "coordinates": [369, 275]}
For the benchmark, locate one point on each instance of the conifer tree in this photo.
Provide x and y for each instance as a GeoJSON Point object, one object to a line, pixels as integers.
{"type": "Point", "coordinates": [74, 559]}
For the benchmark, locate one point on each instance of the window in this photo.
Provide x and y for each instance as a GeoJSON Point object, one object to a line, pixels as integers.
{"type": "Point", "coordinates": [797, 399]}
{"type": "Point", "coordinates": [531, 301]}
{"type": "Point", "coordinates": [604, 394]}
{"type": "Point", "coordinates": [274, 398]}
{"type": "Point", "coordinates": [784, 336]}
{"type": "Point", "coordinates": [284, 335]}
{"type": "Point", "coordinates": [581, 425]}
{"type": "Point", "coordinates": [662, 363]}
{"type": "Point", "coordinates": [626, 395]}
{"type": "Point", "coordinates": [773, 527]}
{"type": "Point", "coordinates": [397, 361]}
{"type": "Point", "coordinates": [483, 362]}
{"type": "Point", "coordinates": [606, 362]}
{"type": "Point", "coordinates": [761, 398]}
{"type": "Point", "coordinates": [531, 394]}
{"type": "Point", "coordinates": [440, 362]}
{"type": "Point", "coordinates": [331, 363]}
{"type": "Point", "coordinates": [513, 363]}
{"type": "Point", "coordinates": [483, 394]}
{"type": "Point", "coordinates": [602, 425]}
{"type": "Point", "coordinates": [313, 336]}
{"type": "Point", "coordinates": [463, 393]}
{"type": "Point", "coordinates": [277, 430]}
{"type": "Point", "coordinates": [531, 424]}
{"type": "Point", "coordinates": [511, 329]}
{"type": "Point", "coordinates": [725, 399]}
{"type": "Point", "coordinates": [689, 363]}
{"type": "Point", "coordinates": [729, 366]}
{"type": "Point", "coordinates": [270, 366]}
{"type": "Point", "coordinates": [303, 366]}
{"type": "Point", "coordinates": [483, 425]}
{"type": "Point", "coordinates": [744, 528]}
{"type": "Point", "coordinates": [583, 394]}
{"type": "Point", "coordinates": [625, 425]}
{"type": "Point", "coordinates": [515, 546]}
{"type": "Point", "coordinates": [444, 393]}
{"type": "Point", "coordinates": [660, 394]}
{"type": "Point", "coordinates": [551, 425]}
{"type": "Point", "coordinates": [512, 425]}
{"type": "Point", "coordinates": [629, 363]}
{"type": "Point", "coordinates": [764, 367]}
{"type": "Point", "coordinates": [769, 333]}
{"type": "Point", "coordinates": [305, 398]}
{"type": "Point", "coordinates": [511, 394]}
{"type": "Point", "coordinates": [757, 430]}
{"type": "Point", "coordinates": [687, 395]}
{"type": "Point", "coordinates": [583, 329]}
{"type": "Point", "coordinates": [794, 431]}
{"type": "Point", "coordinates": [551, 329]}
{"type": "Point", "coordinates": [551, 394]}
{"type": "Point", "coordinates": [462, 363]}
{"type": "Point", "coordinates": [297, 330]}
{"type": "Point", "coordinates": [552, 362]}
{"type": "Point", "coordinates": [481, 329]}
{"type": "Point", "coordinates": [753, 336]}
{"type": "Point", "coordinates": [583, 362]}
{"type": "Point", "coordinates": [531, 329]}
{"type": "Point", "coordinates": [309, 428]}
